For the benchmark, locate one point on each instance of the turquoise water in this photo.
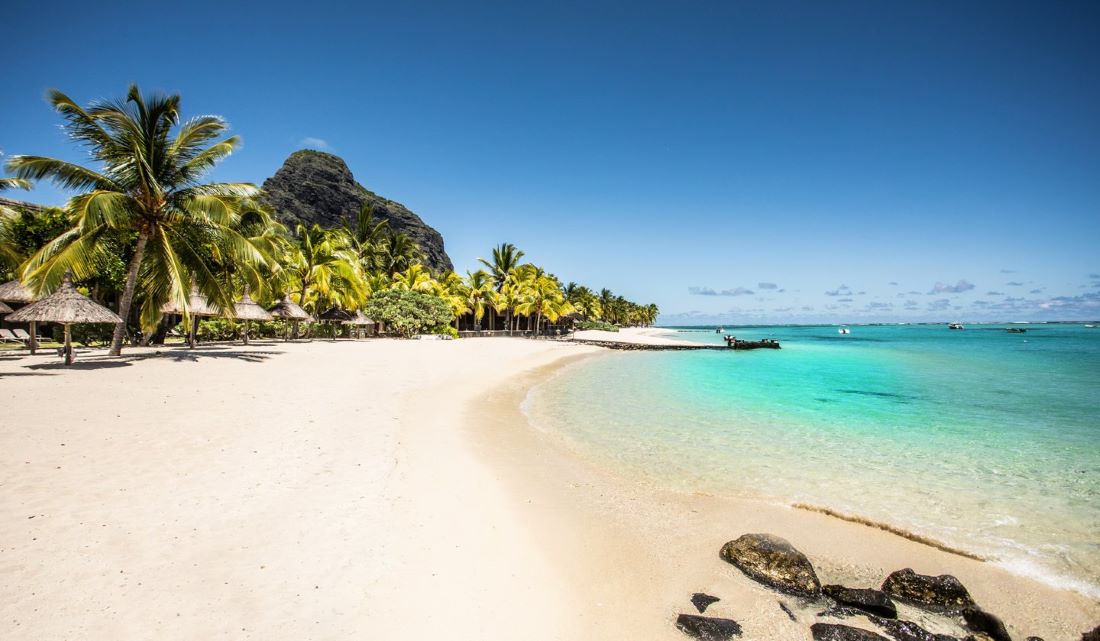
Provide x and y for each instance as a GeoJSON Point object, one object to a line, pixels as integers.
{"type": "Point", "coordinates": [986, 440]}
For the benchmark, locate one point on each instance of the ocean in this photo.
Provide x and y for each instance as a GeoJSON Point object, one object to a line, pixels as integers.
{"type": "Point", "coordinates": [985, 440]}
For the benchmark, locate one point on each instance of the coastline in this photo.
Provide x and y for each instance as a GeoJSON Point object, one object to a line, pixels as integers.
{"type": "Point", "coordinates": [649, 549]}
{"type": "Point", "coordinates": [393, 488]}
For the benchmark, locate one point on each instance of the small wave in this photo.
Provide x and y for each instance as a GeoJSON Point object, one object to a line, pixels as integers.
{"type": "Point", "coordinates": [892, 529]}
{"type": "Point", "coordinates": [1030, 569]}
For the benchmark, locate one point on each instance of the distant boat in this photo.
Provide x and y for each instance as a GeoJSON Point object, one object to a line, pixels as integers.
{"type": "Point", "coordinates": [1091, 326]}
{"type": "Point", "coordinates": [1015, 330]}
{"type": "Point", "coordinates": [955, 325]}
{"type": "Point", "coordinates": [843, 330]}
{"type": "Point", "coordinates": [719, 330]}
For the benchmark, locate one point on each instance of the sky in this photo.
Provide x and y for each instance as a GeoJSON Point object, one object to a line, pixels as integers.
{"type": "Point", "coordinates": [732, 162]}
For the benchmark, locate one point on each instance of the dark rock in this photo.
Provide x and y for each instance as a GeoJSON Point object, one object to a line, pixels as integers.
{"type": "Point", "coordinates": [836, 632]}
{"type": "Point", "coordinates": [942, 593]}
{"type": "Point", "coordinates": [840, 612]}
{"type": "Point", "coordinates": [979, 620]}
{"type": "Point", "coordinates": [701, 601]}
{"type": "Point", "coordinates": [1034, 639]}
{"type": "Point", "coordinates": [907, 630]}
{"type": "Point", "coordinates": [1092, 635]}
{"type": "Point", "coordinates": [774, 562]}
{"type": "Point", "coordinates": [783, 606]}
{"type": "Point", "coordinates": [708, 628]}
{"type": "Point", "coordinates": [315, 187]}
{"type": "Point", "coordinates": [873, 601]}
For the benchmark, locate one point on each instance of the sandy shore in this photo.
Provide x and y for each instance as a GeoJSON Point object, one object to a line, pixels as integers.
{"type": "Point", "coordinates": [380, 489]}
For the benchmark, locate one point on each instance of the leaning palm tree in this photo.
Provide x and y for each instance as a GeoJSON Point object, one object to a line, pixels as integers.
{"type": "Point", "coordinates": [505, 260]}
{"type": "Point", "coordinates": [148, 188]}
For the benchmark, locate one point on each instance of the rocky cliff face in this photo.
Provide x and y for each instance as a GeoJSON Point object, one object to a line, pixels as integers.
{"type": "Point", "coordinates": [315, 187]}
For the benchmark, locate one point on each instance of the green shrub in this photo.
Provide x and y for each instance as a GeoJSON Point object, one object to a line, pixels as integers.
{"type": "Point", "coordinates": [594, 324]}
{"type": "Point", "coordinates": [446, 330]}
{"type": "Point", "coordinates": [407, 312]}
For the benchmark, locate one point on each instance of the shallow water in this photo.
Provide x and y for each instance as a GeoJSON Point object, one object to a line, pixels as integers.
{"type": "Point", "coordinates": [985, 440]}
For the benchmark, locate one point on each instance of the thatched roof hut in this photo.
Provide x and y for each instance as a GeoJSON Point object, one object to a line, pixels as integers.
{"type": "Point", "coordinates": [287, 309]}
{"type": "Point", "coordinates": [14, 292]}
{"type": "Point", "coordinates": [247, 310]}
{"type": "Point", "coordinates": [4, 309]}
{"type": "Point", "coordinates": [360, 319]}
{"type": "Point", "coordinates": [65, 306]}
{"type": "Point", "coordinates": [197, 305]}
{"type": "Point", "coordinates": [336, 315]}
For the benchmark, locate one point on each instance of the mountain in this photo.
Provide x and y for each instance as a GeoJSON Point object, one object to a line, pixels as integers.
{"type": "Point", "coordinates": [316, 187]}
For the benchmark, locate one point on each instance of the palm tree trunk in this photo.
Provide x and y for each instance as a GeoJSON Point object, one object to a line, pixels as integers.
{"type": "Point", "coordinates": [538, 324]}
{"type": "Point", "coordinates": [128, 295]}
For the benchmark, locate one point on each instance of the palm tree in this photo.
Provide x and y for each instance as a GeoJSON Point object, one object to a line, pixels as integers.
{"type": "Point", "coordinates": [148, 188]}
{"type": "Point", "coordinates": [479, 285]}
{"type": "Point", "coordinates": [542, 295]}
{"type": "Point", "coordinates": [505, 260]}
{"type": "Point", "coordinates": [400, 253]}
{"type": "Point", "coordinates": [452, 289]}
{"type": "Point", "coordinates": [369, 238]}
{"type": "Point", "coordinates": [326, 269]}
{"type": "Point", "coordinates": [414, 279]}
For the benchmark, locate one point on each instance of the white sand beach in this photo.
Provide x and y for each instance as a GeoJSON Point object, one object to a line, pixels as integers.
{"type": "Point", "coordinates": [385, 490]}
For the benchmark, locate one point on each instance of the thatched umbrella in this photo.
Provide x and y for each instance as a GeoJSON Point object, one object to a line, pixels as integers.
{"type": "Point", "coordinates": [288, 310]}
{"type": "Point", "coordinates": [66, 306]}
{"type": "Point", "coordinates": [198, 306]}
{"type": "Point", "coordinates": [360, 320]}
{"type": "Point", "coordinates": [4, 309]}
{"type": "Point", "coordinates": [335, 315]}
{"type": "Point", "coordinates": [247, 310]}
{"type": "Point", "coordinates": [14, 292]}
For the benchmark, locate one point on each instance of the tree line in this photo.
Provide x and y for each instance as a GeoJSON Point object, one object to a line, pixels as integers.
{"type": "Point", "coordinates": [144, 230]}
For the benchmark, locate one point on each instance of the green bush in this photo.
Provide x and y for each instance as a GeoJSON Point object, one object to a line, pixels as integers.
{"type": "Point", "coordinates": [446, 330]}
{"type": "Point", "coordinates": [407, 312]}
{"type": "Point", "coordinates": [594, 324]}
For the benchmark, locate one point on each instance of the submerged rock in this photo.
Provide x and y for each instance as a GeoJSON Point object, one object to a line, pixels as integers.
{"type": "Point", "coordinates": [1092, 635]}
{"type": "Point", "coordinates": [868, 600]}
{"type": "Point", "coordinates": [943, 593]}
{"type": "Point", "coordinates": [702, 601]}
{"type": "Point", "coordinates": [979, 620]}
{"type": "Point", "coordinates": [708, 628]}
{"type": "Point", "coordinates": [773, 561]}
{"type": "Point", "coordinates": [907, 630]}
{"type": "Point", "coordinates": [837, 632]}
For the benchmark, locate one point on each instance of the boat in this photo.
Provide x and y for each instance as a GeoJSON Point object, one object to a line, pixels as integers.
{"type": "Point", "coordinates": [843, 330]}
{"type": "Point", "coordinates": [1091, 326]}
{"type": "Point", "coordinates": [1016, 330]}
{"type": "Point", "coordinates": [719, 330]}
{"type": "Point", "coordinates": [955, 325]}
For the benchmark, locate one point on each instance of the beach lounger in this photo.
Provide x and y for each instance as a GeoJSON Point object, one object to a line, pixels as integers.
{"type": "Point", "coordinates": [22, 335]}
{"type": "Point", "coordinates": [6, 336]}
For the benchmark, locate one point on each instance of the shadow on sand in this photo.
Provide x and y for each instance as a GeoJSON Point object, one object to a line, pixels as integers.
{"type": "Point", "coordinates": [183, 354]}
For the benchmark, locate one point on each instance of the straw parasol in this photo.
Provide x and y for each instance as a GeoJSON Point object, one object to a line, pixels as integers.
{"type": "Point", "coordinates": [247, 310]}
{"type": "Point", "coordinates": [288, 310]}
{"type": "Point", "coordinates": [4, 309]}
{"type": "Point", "coordinates": [360, 320]}
{"type": "Point", "coordinates": [335, 315]}
{"type": "Point", "coordinates": [14, 292]}
{"type": "Point", "coordinates": [66, 306]}
{"type": "Point", "coordinates": [198, 306]}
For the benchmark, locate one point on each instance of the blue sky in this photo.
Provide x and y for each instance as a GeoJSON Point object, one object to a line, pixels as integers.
{"type": "Point", "coordinates": [872, 160]}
